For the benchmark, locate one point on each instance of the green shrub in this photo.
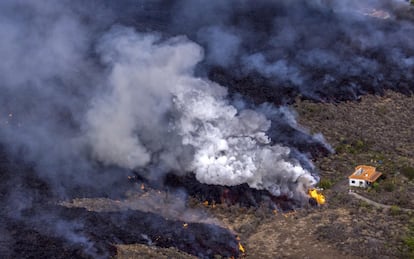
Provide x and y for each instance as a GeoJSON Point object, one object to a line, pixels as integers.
{"type": "Point", "coordinates": [389, 186]}
{"type": "Point", "coordinates": [359, 145]}
{"type": "Point", "coordinates": [408, 172]}
{"type": "Point", "coordinates": [325, 184]}
{"type": "Point", "coordinates": [341, 148]}
{"type": "Point", "coordinates": [395, 210]}
{"type": "Point", "coordinates": [375, 186]}
{"type": "Point", "coordinates": [355, 147]}
{"type": "Point", "coordinates": [409, 242]}
{"type": "Point", "coordinates": [409, 239]}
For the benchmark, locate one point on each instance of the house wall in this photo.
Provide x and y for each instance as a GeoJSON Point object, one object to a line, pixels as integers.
{"type": "Point", "coordinates": [357, 183]}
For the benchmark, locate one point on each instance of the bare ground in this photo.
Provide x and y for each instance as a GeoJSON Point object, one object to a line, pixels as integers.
{"type": "Point", "coordinates": [376, 130]}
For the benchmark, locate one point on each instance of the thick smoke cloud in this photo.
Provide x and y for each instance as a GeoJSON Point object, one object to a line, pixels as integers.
{"type": "Point", "coordinates": [319, 49]}
{"type": "Point", "coordinates": [230, 146]}
{"type": "Point", "coordinates": [75, 92]}
{"type": "Point", "coordinates": [44, 85]}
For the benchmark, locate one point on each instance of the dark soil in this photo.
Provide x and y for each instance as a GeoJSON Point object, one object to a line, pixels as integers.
{"type": "Point", "coordinates": [125, 227]}
{"type": "Point", "coordinates": [33, 225]}
{"type": "Point", "coordinates": [94, 234]}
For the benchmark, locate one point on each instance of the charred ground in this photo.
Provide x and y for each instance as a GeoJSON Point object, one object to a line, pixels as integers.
{"type": "Point", "coordinates": [345, 227]}
{"type": "Point", "coordinates": [375, 130]}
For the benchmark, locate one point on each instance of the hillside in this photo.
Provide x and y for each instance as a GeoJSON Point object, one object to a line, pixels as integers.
{"type": "Point", "coordinates": [375, 130]}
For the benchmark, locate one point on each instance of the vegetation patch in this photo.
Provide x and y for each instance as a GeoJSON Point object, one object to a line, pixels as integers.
{"type": "Point", "coordinates": [395, 210]}
{"type": "Point", "coordinates": [409, 239]}
{"type": "Point", "coordinates": [375, 131]}
{"type": "Point", "coordinates": [388, 186]}
{"type": "Point", "coordinates": [408, 172]}
{"type": "Point", "coordinates": [354, 147]}
{"type": "Point", "coordinates": [325, 184]}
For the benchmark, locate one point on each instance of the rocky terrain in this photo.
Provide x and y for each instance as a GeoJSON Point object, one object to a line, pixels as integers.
{"type": "Point", "coordinates": [96, 143]}
{"type": "Point", "coordinates": [375, 130]}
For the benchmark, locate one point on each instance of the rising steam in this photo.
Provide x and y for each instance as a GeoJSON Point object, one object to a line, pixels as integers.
{"type": "Point", "coordinates": [148, 100]}
{"type": "Point", "coordinates": [154, 98]}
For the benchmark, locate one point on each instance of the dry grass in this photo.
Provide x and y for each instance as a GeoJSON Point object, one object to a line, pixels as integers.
{"type": "Point", "coordinates": [378, 131]}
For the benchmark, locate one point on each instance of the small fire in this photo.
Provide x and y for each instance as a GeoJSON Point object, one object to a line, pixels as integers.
{"type": "Point", "coordinates": [142, 187]}
{"type": "Point", "coordinates": [185, 225]}
{"type": "Point", "coordinates": [318, 197]}
{"type": "Point", "coordinates": [210, 205]}
{"type": "Point", "coordinates": [241, 248]}
{"type": "Point", "coordinates": [287, 214]}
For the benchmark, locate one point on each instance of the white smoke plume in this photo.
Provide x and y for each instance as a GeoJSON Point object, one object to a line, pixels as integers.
{"type": "Point", "coordinates": [152, 80]}
{"type": "Point", "coordinates": [50, 76]}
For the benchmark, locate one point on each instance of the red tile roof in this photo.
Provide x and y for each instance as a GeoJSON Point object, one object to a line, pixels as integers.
{"type": "Point", "coordinates": [365, 172]}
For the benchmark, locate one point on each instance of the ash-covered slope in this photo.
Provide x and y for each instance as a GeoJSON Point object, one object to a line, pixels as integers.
{"type": "Point", "coordinates": [81, 89]}
{"type": "Point", "coordinates": [92, 90]}
{"type": "Point", "coordinates": [322, 50]}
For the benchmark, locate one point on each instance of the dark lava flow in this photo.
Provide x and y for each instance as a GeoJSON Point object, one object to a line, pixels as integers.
{"type": "Point", "coordinates": [274, 51]}
{"type": "Point", "coordinates": [32, 233]}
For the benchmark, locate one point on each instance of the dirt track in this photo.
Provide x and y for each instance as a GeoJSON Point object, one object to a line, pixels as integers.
{"type": "Point", "coordinates": [374, 203]}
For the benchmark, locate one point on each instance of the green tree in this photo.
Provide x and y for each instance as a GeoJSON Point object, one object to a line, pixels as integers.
{"type": "Point", "coordinates": [325, 184]}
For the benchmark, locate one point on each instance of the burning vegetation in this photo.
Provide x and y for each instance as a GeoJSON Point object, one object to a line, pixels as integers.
{"type": "Point", "coordinates": [318, 197]}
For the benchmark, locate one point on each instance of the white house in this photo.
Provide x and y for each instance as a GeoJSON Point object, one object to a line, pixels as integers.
{"type": "Point", "coordinates": [364, 176]}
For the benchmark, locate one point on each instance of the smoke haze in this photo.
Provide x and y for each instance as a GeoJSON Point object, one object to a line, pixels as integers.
{"type": "Point", "coordinates": [94, 90]}
{"type": "Point", "coordinates": [229, 147]}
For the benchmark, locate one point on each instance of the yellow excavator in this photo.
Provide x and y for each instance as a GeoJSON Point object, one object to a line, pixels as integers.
{"type": "Point", "coordinates": [316, 196]}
